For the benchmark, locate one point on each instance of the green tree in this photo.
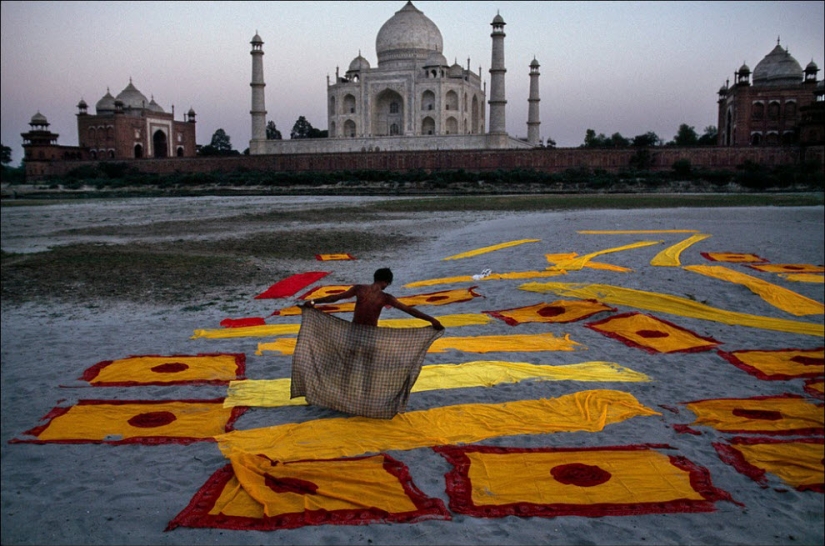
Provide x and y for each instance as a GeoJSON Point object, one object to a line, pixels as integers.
{"type": "Point", "coordinates": [708, 138]}
{"type": "Point", "coordinates": [5, 154]}
{"type": "Point", "coordinates": [618, 141]}
{"type": "Point", "coordinates": [301, 129]}
{"type": "Point", "coordinates": [686, 136]}
{"type": "Point", "coordinates": [221, 144]}
{"type": "Point", "coordinates": [272, 132]}
{"type": "Point", "coordinates": [646, 140]}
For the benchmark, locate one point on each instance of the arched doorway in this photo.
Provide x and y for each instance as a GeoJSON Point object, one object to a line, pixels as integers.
{"type": "Point", "coordinates": [159, 144]}
{"type": "Point", "coordinates": [138, 151]}
{"type": "Point", "coordinates": [388, 110]}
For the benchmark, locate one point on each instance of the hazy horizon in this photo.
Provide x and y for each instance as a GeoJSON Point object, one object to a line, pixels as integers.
{"type": "Point", "coordinates": [627, 67]}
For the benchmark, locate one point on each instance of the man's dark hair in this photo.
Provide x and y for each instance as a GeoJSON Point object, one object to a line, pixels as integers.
{"type": "Point", "coordinates": [383, 274]}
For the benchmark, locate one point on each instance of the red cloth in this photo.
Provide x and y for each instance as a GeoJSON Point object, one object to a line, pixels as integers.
{"type": "Point", "coordinates": [289, 286]}
{"type": "Point", "coordinates": [241, 322]}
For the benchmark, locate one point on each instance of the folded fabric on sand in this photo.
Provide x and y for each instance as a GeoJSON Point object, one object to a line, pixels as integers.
{"type": "Point", "coordinates": [357, 369]}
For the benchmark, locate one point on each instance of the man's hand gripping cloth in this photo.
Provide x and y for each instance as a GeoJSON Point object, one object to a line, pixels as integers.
{"type": "Point", "coordinates": [354, 368]}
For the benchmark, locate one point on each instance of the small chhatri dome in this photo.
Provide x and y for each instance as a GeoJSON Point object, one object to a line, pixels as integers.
{"type": "Point", "coordinates": [498, 20]}
{"type": "Point", "coordinates": [256, 39]}
{"type": "Point", "coordinates": [131, 97]}
{"type": "Point", "coordinates": [359, 63]}
{"type": "Point", "coordinates": [39, 119]}
{"type": "Point", "coordinates": [106, 103]}
{"type": "Point", "coordinates": [534, 63]}
{"type": "Point", "coordinates": [436, 58]}
{"type": "Point", "coordinates": [777, 68]}
{"type": "Point", "coordinates": [82, 104]}
{"type": "Point", "coordinates": [155, 107]}
{"type": "Point", "coordinates": [407, 35]}
{"type": "Point", "coordinates": [811, 67]}
{"type": "Point", "coordinates": [744, 69]}
{"type": "Point", "coordinates": [455, 70]}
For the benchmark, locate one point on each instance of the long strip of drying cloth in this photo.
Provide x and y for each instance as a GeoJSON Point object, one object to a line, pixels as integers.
{"type": "Point", "coordinates": [356, 368]}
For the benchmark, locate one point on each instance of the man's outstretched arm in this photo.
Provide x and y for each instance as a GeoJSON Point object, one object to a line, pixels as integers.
{"type": "Point", "coordinates": [349, 293]}
{"type": "Point", "coordinates": [414, 312]}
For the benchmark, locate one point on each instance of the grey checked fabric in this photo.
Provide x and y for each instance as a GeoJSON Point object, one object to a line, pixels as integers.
{"type": "Point", "coordinates": [357, 369]}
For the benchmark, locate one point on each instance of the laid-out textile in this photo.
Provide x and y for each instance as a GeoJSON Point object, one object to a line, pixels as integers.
{"type": "Point", "coordinates": [212, 369]}
{"type": "Point", "coordinates": [733, 257]}
{"type": "Point", "coordinates": [633, 231]}
{"type": "Point", "coordinates": [803, 277]}
{"type": "Point", "coordinates": [787, 414]}
{"type": "Point", "coordinates": [588, 411]}
{"type": "Point", "coordinates": [323, 291]}
{"type": "Point", "coordinates": [557, 311]}
{"type": "Point", "coordinates": [492, 248]}
{"type": "Point", "coordinates": [469, 344]}
{"type": "Point", "coordinates": [255, 493]}
{"type": "Point", "coordinates": [788, 268]}
{"type": "Point", "coordinates": [652, 334]}
{"type": "Point", "coordinates": [334, 257]}
{"type": "Point", "coordinates": [488, 481]}
{"type": "Point", "coordinates": [815, 388]}
{"type": "Point", "coordinates": [515, 275]}
{"type": "Point", "coordinates": [781, 364]}
{"type": "Point", "coordinates": [355, 368]}
{"type": "Point", "coordinates": [666, 303]}
{"type": "Point", "coordinates": [669, 257]}
{"type": "Point", "coordinates": [798, 463]}
{"type": "Point", "coordinates": [443, 297]}
{"type": "Point", "coordinates": [567, 257]}
{"type": "Point", "coordinates": [243, 322]}
{"type": "Point", "coordinates": [449, 321]}
{"type": "Point", "coordinates": [135, 421]}
{"type": "Point", "coordinates": [578, 262]}
{"type": "Point", "coordinates": [778, 296]}
{"type": "Point", "coordinates": [289, 286]}
{"type": "Point", "coordinates": [479, 373]}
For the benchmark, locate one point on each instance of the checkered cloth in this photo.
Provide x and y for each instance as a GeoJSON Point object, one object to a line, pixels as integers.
{"type": "Point", "coordinates": [357, 369]}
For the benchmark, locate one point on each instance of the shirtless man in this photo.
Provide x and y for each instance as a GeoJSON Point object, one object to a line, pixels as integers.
{"type": "Point", "coordinates": [370, 299]}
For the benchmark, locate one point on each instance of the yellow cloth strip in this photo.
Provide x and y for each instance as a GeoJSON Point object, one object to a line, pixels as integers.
{"type": "Point", "coordinates": [757, 414]}
{"type": "Point", "coordinates": [587, 411]}
{"type": "Point", "coordinates": [796, 463]}
{"type": "Point", "coordinates": [472, 344]}
{"type": "Point", "coordinates": [788, 268]}
{"type": "Point", "coordinates": [147, 369]}
{"type": "Point", "coordinates": [669, 257]}
{"type": "Point", "coordinates": [567, 256]}
{"type": "Point", "coordinates": [653, 301]}
{"type": "Point", "coordinates": [575, 264]}
{"type": "Point", "coordinates": [492, 248]}
{"type": "Point", "coordinates": [791, 362]}
{"type": "Point", "coordinates": [634, 231]}
{"type": "Point", "coordinates": [491, 277]}
{"type": "Point", "coordinates": [479, 373]}
{"type": "Point", "coordinates": [449, 321]}
{"type": "Point", "coordinates": [803, 277]}
{"type": "Point", "coordinates": [781, 298]}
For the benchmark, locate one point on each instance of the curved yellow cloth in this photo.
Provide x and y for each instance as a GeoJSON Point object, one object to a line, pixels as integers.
{"type": "Point", "coordinates": [479, 373]}
{"type": "Point", "coordinates": [795, 463]}
{"type": "Point", "coordinates": [492, 248]}
{"type": "Point", "coordinates": [472, 344]}
{"type": "Point", "coordinates": [669, 257]}
{"type": "Point", "coordinates": [675, 305]}
{"type": "Point", "coordinates": [587, 411]}
{"type": "Point", "coordinates": [779, 297]}
{"type": "Point", "coordinates": [777, 414]}
{"type": "Point", "coordinates": [575, 264]}
{"type": "Point", "coordinates": [803, 277]}
{"type": "Point", "coordinates": [491, 277]}
{"type": "Point", "coordinates": [267, 330]}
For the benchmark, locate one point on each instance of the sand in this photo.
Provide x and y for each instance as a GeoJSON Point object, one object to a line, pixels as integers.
{"type": "Point", "coordinates": [127, 494]}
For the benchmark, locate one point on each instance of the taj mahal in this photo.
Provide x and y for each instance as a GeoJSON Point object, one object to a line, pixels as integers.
{"type": "Point", "coordinates": [413, 100]}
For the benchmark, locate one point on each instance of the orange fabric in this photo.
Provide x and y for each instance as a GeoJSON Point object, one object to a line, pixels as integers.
{"type": "Point", "coordinates": [328, 290]}
{"type": "Point", "coordinates": [733, 257]}
{"type": "Point", "coordinates": [803, 277]}
{"type": "Point", "coordinates": [491, 481]}
{"type": "Point", "coordinates": [432, 298]}
{"type": "Point", "coordinates": [465, 423]}
{"type": "Point", "coordinates": [781, 364]}
{"type": "Point", "coordinates": [764, 414]}
{"type": "Point", "coordinates": [669, 257]}
{"type": "Point", "coordinates": [166, 370]}
{"type": "Point", "coordinates": [333, 257]}
{"type": "Point", "coordinates": [798, 463]}
{"type": "Point", "coordinates": [115, 421]}
{"type": "Point", "coordinates": [652, 334]}
{"type": "Point", "coordinates": [578, 262]}
{"type": "Point", "coordinates": [788, 268]}
{"type": "Point", "coordinates": [557, 311]}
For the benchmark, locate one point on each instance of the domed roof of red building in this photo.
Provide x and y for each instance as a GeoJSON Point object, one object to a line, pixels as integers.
{"type": "Point", "coordinates": [777, 68]}
{"type": "Point", "coordinates": [132, 98]}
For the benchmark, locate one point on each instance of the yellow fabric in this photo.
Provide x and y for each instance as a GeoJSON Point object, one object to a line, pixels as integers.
{"type": "Point", "coordinates": [779, 297]}
{"type": "Point", "coordinates": [734, 257]}
{"type": "Point", "coordinates": [667, 339]}
{"type": "Point", "coordinates": [795, 414]}
{"type": "Point", "coordinates": [330, 257]}
{"type": "Point", "coordinates": [341, 485]}
{"type": "Point", "coordinates": [568, 256]}
{"type": "Point", "coordinates": [327, 290]}
{"type": "Point", "coordinates": [795, 463]}
{"type": "Point", "coordinates": [816, 386]}
{"type": "Point", "coordinates": [652, 301]}
{"type": "Point", "coordinates": [803, 277]}
{"type": "Point", "coordinates": [491, 277]}
{"type": "Point", "coordinates": [789, 268]}
{"type": "Point", "coordinates": [634, 231]}
{"type": "Point", "coordinates": [587, 411]}
{"type": "Point", "coordinates": [480, 373]}
{"type": "Point", "coordinates": [492, 248]}
{"type": "Point", "coordinates": [434, 298]}
{"type": "Point", "coordinates": [669, 257]}
{"type": "Point", "coordinates": [145, 369]}
{"type": "Point", "coordinates": [781, 362]}
{"type": "Point", "coordinates": [639, 476]}
{"type": "Point", "coordinates": [268, 330]}
{"type": "Point", "coordinates": [564, 311]}
{"type": "Point", "coordinates": [575, 264]}
{"type": "Point", "coordinates": [97, 422]}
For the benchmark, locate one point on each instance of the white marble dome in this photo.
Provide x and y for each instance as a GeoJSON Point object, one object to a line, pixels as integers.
{"type": "Point", "coordinates": [407, 35]}
{"type": "Point", "coordinates": [777, 68]}
{"type": "Point", "coordinates": [132, 98]}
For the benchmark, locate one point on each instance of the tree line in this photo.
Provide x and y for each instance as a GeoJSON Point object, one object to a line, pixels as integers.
{"type": "Point", "coordinates": [685, 136]}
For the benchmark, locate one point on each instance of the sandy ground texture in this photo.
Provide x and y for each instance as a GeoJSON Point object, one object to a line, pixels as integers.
{"type": "Point", "coordinates": [97, 493]}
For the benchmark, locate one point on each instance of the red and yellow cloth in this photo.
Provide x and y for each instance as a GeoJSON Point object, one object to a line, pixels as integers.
{"type": "Point", "coordinates": [334, 257]}
{"type": "Point", "coordinates": [213, 369]}
{"type": "Point", "coordinates": [779, 364]}
{"type": "Point", "coordinates": [781, 415]}
{"type": "Point", "coordinates": [557, 311]}
{"type": "Point", "coordinates": [798, 463]}
{"type": "Point", "coordinates": [489, 481]}
{"type": "Point", "coordinates": [788, 268]}
{"type": "Point", "coordinates": [733, 257]}
{"type": "Point", "coordinates": [652, 334]}
{"type": "Point", "coordinates": [290, 285]}
{"type": "Point", "coordinates": [256, 493]}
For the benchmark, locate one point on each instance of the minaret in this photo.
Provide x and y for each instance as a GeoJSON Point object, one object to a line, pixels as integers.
{"type": "Point", "coordinates": [497, 100]}
{"type": "Point", "coordinates": [533, 117]}
{"type": "Point", "coordinates": [258, 103]}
